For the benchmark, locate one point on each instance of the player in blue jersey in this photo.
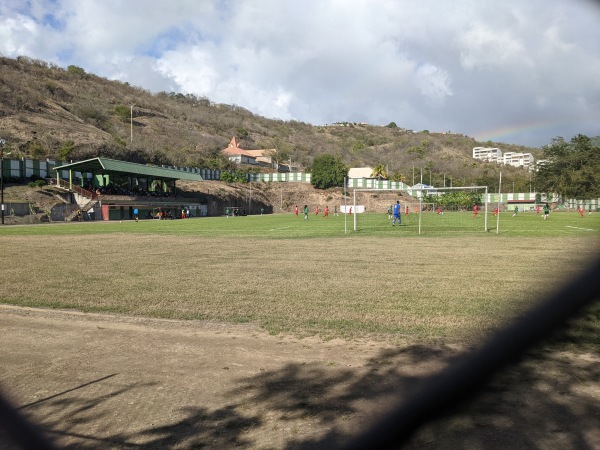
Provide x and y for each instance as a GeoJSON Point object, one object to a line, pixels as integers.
{"type": "Point", "coordinates": [397, 214]}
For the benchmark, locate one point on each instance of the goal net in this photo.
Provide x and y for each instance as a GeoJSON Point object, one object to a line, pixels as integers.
{"type": "Point", "coordinates": [459, 209]}
{"type": "Point", "coordinates": [424, 209]}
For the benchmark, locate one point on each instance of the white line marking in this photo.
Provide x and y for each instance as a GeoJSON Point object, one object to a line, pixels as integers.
{"type": "Point", "coordinates": [577, 228]}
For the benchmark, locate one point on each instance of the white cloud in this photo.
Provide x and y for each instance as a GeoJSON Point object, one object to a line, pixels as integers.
{"type": "Point", "coordinates": [485, 47]}
{"type": "Point", "coordinates": [433, 82]}
{"type": "Point", "coordinates": [18, 35]}
{"type": "Point", "coordinates": [427, 65]}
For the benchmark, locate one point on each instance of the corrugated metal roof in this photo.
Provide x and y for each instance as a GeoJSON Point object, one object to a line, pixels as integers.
{"type": "Point", "coordinates": [99, 165]}
{"type": "Point", "coordinates": [360, 172]}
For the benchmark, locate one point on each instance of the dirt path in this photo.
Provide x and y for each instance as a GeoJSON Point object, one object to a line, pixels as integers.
{"type": "Point", "coordinates": [100, 381]}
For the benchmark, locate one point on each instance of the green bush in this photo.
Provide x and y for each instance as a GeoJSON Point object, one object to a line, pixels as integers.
{"type": "Point", "coordinates": [65, 150]}
{"type": "Point", "coordinates": [75, 70]}
{"type": "Point", "coordinates": [237, 176]}
{"type": "Point", "coordinates": [123, 113]}
{"type": "Point", "coordinates": [328, 171]}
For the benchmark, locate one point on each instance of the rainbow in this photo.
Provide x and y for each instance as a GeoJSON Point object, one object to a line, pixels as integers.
{"type": "Point", "coordinates": [549, 128]}
{"type": "Point", "coordinates": [510, 131]}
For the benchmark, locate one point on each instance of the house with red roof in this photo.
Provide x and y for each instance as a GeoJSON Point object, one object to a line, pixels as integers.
{"type": "Point", "coordinates": [238, 155]}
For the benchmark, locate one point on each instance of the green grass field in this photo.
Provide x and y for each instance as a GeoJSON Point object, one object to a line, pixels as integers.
{"type": "Point", "coordinates": [286, 226]}
{"type": "Point", "coordinates": [315, 277]}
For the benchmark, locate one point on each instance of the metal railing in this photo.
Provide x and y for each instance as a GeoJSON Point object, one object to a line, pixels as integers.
{"type": "Point", "coordinates": [71, 187]}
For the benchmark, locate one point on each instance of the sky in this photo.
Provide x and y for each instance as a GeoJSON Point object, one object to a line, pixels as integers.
{"type": "Point", "coordinates": [517, 72]}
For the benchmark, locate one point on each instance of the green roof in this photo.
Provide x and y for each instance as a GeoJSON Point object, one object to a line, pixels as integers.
{"type": "Point", "coordinates": [105, 165]}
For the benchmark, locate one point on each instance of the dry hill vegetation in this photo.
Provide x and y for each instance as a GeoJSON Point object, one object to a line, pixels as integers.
{"type": "Point", "coordinates": [48, 111]}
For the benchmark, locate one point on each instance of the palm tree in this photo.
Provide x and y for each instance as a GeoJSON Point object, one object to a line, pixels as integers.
{"type": "Point", "coordinates": [379, 172]}
{"type": "Point", "coordinates": [398, 176]}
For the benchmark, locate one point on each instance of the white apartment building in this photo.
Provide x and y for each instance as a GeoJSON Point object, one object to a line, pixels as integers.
{"type": "Point", "coordinates": [525, 160]}
{"type": "Point", "coordinates": [489, 154]}
{"type": "Point", "coordinates": [493, 154]}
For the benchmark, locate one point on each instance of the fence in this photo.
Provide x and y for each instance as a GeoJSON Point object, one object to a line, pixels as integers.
{"type": "Point", "coordinates": [30, 168]}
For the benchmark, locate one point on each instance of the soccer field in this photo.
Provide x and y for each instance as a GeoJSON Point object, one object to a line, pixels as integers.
{"type": "Point", "coordinates": [315, 277]}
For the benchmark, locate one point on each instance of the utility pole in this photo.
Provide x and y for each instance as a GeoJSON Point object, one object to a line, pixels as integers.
{"type": "Point", "coordinates": [132, 122]}
{"type": "Point", "coordinates": [2, 142]}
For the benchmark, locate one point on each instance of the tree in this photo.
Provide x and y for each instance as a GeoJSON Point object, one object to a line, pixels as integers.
{"type": "Point", "coordinates": [65, 150]}
{"type": "Point", "coordinates": [234, 176]}
{"type": "Point", "coordinates": [398, 176]}
{"type": "Point", "coordinates": [328, 171]}
{"type": "Point", "coordinates": [379, 172]}
{"type": "Point", "coordinates": [570, 169]}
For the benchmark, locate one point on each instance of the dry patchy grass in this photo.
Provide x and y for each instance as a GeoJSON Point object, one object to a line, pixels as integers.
{"type": "Point", "coordinates": [453, 288]}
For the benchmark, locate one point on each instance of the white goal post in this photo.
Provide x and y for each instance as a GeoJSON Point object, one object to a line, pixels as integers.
{"type": "Point", "coordinates": [457, 202]}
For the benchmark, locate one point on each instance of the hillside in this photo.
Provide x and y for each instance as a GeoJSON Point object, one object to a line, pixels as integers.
{"type": "Point", "coordinates": [48, 111]}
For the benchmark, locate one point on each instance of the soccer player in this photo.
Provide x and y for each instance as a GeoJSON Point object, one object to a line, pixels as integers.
{"type": "Point", "coordinates": [305, 212]}
{"type": "Point", "coordinates": [516, 211]}
{"type": "Point", "coordinates": [580, 209]}
{"type": "Point", "coordinates": [496, 211]}
{"type": "Point", "coordinates": [439, 210]}
{"type": "Point", "coordinates": [390, 212]}
{"type": "Point", "coordinates": [326, 212]}
{"type": "Point", "coordinates": [546, 211]}
{"type": "Point", "coordinates": [317, 211]}
{"type": "Point", "coordinates": [475, 210]}
{"type": "Point", "coordinates": [296, 210]}
{"type": "Point", "coordinates": [397, 216]}
{"type": "Point", "coordinates": [406, 211]}
{"type": "Point", "coordinates": [537, 209]}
